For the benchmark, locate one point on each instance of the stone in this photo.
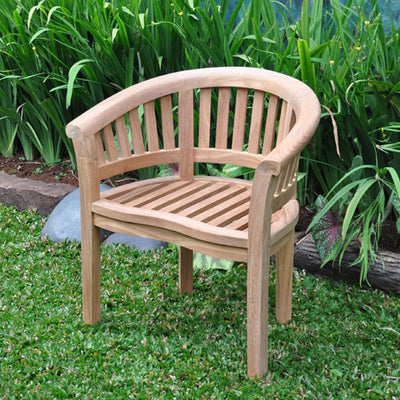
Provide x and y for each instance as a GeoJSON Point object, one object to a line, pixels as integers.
{"type": "Point", "coordinates": [64, 223]}
{"type": "Point", "coordinates": [142, 244]}
{"type": "Point", "coordinates": [29, 194]}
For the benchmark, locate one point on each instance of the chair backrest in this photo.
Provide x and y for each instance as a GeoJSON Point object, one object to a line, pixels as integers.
{"type": "Point", "coordinates": [229, 115]}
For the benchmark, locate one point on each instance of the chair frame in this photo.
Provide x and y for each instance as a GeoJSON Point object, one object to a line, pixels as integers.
{"type": "Point", "coordinates": [260, 119]}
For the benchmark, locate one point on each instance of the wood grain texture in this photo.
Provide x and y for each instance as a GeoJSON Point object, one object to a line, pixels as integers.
{"type": "Point", "coordinates": [151, 127]}
{"type": "Point", "coordinates": [259, 253]}
{"type": "Point", "coordinates": [270, 124]}
{"type": "Point", "coordinates": [109, 144]}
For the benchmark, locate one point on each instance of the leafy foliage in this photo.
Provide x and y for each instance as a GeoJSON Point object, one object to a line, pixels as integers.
{"type": "Point", "coordinates": [326, 232]}
{"type": "Point", "coordinates": [367, 194]}
{"type": "Point", "coordinates": [59, 59]}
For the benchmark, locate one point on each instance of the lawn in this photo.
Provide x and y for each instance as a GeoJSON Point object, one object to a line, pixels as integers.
{"type": "Point", "coordinates": [152, 343]}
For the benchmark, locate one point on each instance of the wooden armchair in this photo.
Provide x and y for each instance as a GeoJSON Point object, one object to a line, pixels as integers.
{"type": "Point", "coordinates": [230, 115]}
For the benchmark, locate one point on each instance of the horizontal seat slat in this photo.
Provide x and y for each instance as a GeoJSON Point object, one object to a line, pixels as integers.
{"type": "Point", "coordinates": [204, 194]}
{"type": "Point", "coordinates": [216, 210]}
{"type": "Point", "coordinates": [240, 224]}
{"type": "Point", "coordinates": [232, 215]}
{"type": "Point", "coordinates": [215, 200]}
{"type": "Point", "coordinates": [154, 194]}
{"type": "Point", "coordinates": [129, 196]}
{"type": "Point", "coordinates": [160, 202]}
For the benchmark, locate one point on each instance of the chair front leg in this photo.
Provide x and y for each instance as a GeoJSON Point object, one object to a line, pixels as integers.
{"type": "Point", "coordinates": [264, 185]}
{"type": "Point", "coordinates": [257, 314]}
{"type": "Point", "coordinates": [90, 255]}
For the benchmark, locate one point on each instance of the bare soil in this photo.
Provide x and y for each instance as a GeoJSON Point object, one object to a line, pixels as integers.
{"type": "Point", "coordinates": [39, 171]}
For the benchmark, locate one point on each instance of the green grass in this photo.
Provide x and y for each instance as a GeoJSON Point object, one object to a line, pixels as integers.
{"type": "Point", "coordinates": [152, 343]}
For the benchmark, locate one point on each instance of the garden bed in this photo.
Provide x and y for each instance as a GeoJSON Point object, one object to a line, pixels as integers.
{"type": "Point", "coordinates": [61, 172]}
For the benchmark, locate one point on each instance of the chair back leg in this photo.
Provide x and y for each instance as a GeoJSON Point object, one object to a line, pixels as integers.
{"type": "Point", "coordinates": [284, 280]}
{"type": "Point", "coordinates": [185, 270]}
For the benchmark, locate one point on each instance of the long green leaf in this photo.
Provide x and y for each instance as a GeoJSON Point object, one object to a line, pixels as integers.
{"type": "Point", "coordinates": [307, 68]}
{"type": "Point", "coordinates": [72, 74]}
{"type": "Point", "coordinates": [363, 187]}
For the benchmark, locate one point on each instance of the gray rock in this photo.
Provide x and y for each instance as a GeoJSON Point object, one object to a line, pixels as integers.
{"type": "Point", "coordinates": [30, 194]}
{"type": "Point", "coordinates": [140, 243]}
{"type": "Point", "coordinates": [64, 221]}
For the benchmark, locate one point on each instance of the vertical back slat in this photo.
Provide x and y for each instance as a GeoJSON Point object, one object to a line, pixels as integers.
{"type": "Point", "coordinates": [292, 172]}
{"type": "Point", "coordinates": [136, 129]}
{"type": "Point", "coordinates": [256, 122]}
{"type": "Point", "coordinates": [204, 118]}
{"type": "Point", "coordinates": [281, 179]}
{"type": "Point", "coordinates": [186, 139]}
{"type": "Point", "coordinates": [240, 119]}
{"type": "Point", "coordinates": [292, 119]}
{"type": "Point", "coordinates": [151, 126]}
{"type": "Point", "coordinates": [222, 118]}
{"type": "Point", "coordinates": [287, 178]}
{"type": "Point", "coordinates": [167, 123]}
{"type": "Point", "coordinates": [108, 137]}
{"type": "Point", "coordinates": [285, 122]}
{"type": "Point", "coordinates": [101, 159]}
{"type": "Point", "coordinates": [122, 134]}
{"type": "Point", "coordinates": [270, 124]}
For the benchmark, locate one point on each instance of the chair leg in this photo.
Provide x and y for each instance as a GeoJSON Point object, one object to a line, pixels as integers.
{"type": "Point", "coordinates": [185, 270]}
{"type": "Point", "coordinates": [257, 315]}
{"type": "Point", "coordinates": [284, 280]}
{"type": "Point", "coordinates": [90, 255]}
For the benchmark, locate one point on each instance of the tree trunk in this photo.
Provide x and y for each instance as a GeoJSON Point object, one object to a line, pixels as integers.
{"type": "Point", "coordinates": [383, 274]}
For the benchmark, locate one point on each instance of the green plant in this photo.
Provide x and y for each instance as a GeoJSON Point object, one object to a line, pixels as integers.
{"type": "Point", "coordinates": [357, 85]}
{"type": "Point", "coordinates": [365, 196]}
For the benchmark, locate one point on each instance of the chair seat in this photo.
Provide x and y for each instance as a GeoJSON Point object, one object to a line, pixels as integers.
{"type": "Point", "coordinates": [210, 209]}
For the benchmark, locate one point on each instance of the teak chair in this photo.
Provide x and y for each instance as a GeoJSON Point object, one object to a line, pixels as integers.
{"type": "Point", "coordinates": [248, 117]}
